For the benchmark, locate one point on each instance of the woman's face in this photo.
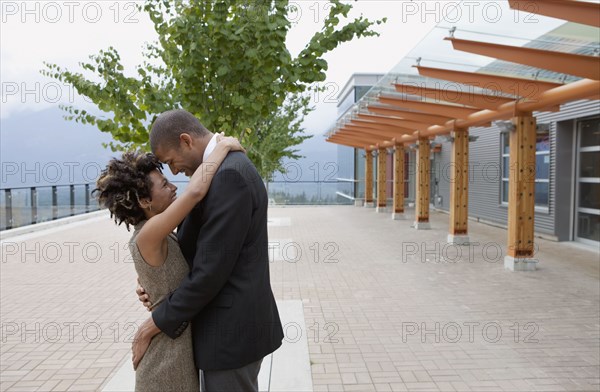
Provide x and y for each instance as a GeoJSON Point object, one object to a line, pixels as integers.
{"type": "Point", "coordinates": [162, 192]}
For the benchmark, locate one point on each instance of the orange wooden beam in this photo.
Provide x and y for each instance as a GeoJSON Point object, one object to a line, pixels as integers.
{"type": "Point", "coordinates": [390, 135]}
{"type": "Point", "coordinates": [405, 126]}
{"type": "Point", "coordinates": [582, 89]}
{"type": "Point", "coordinates": [351, 143]}
{"type": "Point", "coordinates": [573, 11]}
{"type": "Point", "coordinates": [404, 114]}
{"type": "Point", "coordinates": [476, 100]}
{"type": "Point", "coordinates": [362, 138]}
{"type": "Point", "coordinates": [386, 125]}
{"type": "Point", "coordinates": [344, 143]}
{"type": "Point", "coordinates": [567, 63]}
{"type": "Point", "coordinates": [384, 122]}
{"type": "Point", "coordinates": [526, 88]}
{"type": "Point", "coordinates": [377, 137]}
{"type": "Point", "coordinates": [428, 107]}
{"type": "Point", "coordinates": [365, 139]}
{"type": "Point", "coordinates": [372, 125]}
{"type": "Point", "coordinates": [560, 95]}
{"type": "Point", "coordinates": [370, 131]}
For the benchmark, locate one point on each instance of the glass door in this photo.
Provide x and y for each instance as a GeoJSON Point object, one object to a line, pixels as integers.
{"type": "Point", "coordinates": [587, 208]}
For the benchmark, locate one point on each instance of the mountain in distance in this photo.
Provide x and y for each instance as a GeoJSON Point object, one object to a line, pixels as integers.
{"type": "Point", "coordinates": [319, 162]}
{"type": "Point", "coordinates": [41, 148]}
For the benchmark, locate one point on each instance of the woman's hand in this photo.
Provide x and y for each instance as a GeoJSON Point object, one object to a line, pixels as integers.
{"type": "Point", "coordinates": [229, 142]}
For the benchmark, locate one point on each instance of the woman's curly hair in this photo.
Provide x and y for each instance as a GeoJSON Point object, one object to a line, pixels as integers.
{"type": "Point", "coordinates": [124, 183]}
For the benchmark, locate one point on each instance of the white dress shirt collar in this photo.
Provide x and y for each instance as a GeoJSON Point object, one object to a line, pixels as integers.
{"type": "Point", "coordinates": [210, 147]}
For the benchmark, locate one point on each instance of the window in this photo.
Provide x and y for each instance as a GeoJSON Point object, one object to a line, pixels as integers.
{"type": "Point", "coordinates": [542, 168]}
{"type": "Point", "coordinates": [587, 228]}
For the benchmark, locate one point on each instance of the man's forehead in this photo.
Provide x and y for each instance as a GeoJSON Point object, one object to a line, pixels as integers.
{"type": "Point", "coordinates": [163, 154]}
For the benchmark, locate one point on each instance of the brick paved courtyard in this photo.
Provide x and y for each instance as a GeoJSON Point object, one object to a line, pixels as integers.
{"type": "Point", "coordinates": [387, 308]}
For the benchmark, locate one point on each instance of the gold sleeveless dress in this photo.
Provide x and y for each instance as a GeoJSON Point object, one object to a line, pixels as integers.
{"type": "Point", "coordinates": [168, 365]}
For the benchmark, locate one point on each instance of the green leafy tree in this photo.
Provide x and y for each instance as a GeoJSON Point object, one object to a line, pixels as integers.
{"type": "Point", "coordinates": [224, 61]}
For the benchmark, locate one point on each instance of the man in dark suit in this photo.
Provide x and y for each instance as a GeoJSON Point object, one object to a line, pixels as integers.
{"type": "Point", "coordinates": [227, 295]}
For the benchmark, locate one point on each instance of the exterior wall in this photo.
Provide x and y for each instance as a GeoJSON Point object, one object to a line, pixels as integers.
{"type": "Point", "coordinates": [346, 102]}
{"type": "Point", "coordinates": [485, 175]}
{"type": "Point", "coordinates": [351, 165]}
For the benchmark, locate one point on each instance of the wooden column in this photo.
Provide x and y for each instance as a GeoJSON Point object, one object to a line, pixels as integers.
{"type": "Point", "coordinates": [398, 182]}
{"type": "Point", "coordinates": [381, 180]}
{"type": "Point", "coordinates": [459, 188]}
{"type": "Point", "coordinates": [521, 194]}
{"type": "Point", "coordinates": [422, 185]}
{"type": "Point", "coordinates": [369, 179]}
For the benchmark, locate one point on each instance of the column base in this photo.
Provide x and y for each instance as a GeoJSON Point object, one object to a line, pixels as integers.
{"type": "Point", "coordinates": [422, 225]}
{"type": "Point", "coordinates": [369, 204]}
{"type": "Point", "coordinates": [359, 202]}
{"type": "Point", "coordinates": [381, 209]}
{"type": "Point", "coordinates": [398, 216]}
{"type": "Point", "coordinates": [458, 239]}
{"type": "Point", "coordinates": [520, 263]}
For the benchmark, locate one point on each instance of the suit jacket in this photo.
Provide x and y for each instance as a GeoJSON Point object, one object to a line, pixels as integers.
{"type": "Point", "coordinates": [227, 295]}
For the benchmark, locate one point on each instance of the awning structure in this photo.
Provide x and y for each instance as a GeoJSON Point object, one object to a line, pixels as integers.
{"type": "Point", "coordinates": [470, 75]}
{"type": "Point", "coordinates": [432, 100]}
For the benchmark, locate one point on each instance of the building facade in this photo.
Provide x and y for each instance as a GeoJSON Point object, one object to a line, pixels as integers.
{"type": "Point", "coordinates": [567, 176]}
{"type": "Point", "coordinates": [436, 88]}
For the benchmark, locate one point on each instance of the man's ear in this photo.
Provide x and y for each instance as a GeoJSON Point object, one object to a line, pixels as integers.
{"type": "Point", "coordinates": [185, 140]}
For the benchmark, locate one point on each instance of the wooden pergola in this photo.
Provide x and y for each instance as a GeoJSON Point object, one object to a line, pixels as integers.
{"type": "Point", "coordinates": [414, 114]}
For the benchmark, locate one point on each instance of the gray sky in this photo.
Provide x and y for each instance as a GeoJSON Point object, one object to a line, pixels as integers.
{"type": "Point", "coordinates": [66, 32]}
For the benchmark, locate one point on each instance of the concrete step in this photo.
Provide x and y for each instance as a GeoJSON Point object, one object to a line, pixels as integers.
{"type": "Point", "coordinates": [286, 370]}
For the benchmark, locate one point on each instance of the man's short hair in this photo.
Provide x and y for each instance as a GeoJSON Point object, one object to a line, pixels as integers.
{"type": "Point", "coordinates": [169, 125]}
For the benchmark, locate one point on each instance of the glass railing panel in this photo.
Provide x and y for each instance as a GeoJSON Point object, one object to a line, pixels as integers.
{"type": "Point", "coordinates": [25, 206]}
{"type": "Point", "coordinates": [307, 193]}
{"type": "Point", "coordinates": [4, 213]}
{"type": "Point", "coordinates": [44, 204]}
{"type": "Point", "coordinates": [21, 206]}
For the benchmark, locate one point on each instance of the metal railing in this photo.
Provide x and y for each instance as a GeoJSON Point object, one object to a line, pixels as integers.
{"type": "Point", "coordinates": [21, 206]}
{"type": "Point", "coordinates": [309, 192]}
{"type": "Point", "coordinates": [303, 192]}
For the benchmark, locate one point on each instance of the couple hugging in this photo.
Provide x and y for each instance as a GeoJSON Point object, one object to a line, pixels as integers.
{"type": "Point", "coordinates": [208, 286]}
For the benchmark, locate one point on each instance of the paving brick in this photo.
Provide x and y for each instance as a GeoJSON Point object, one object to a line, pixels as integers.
{"type": "Point", "coordinates": [358, 309]}
{"type": "Point", "coordinates": [49, 385]}
{"type": "Point", "coordinates": [63, 385]}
